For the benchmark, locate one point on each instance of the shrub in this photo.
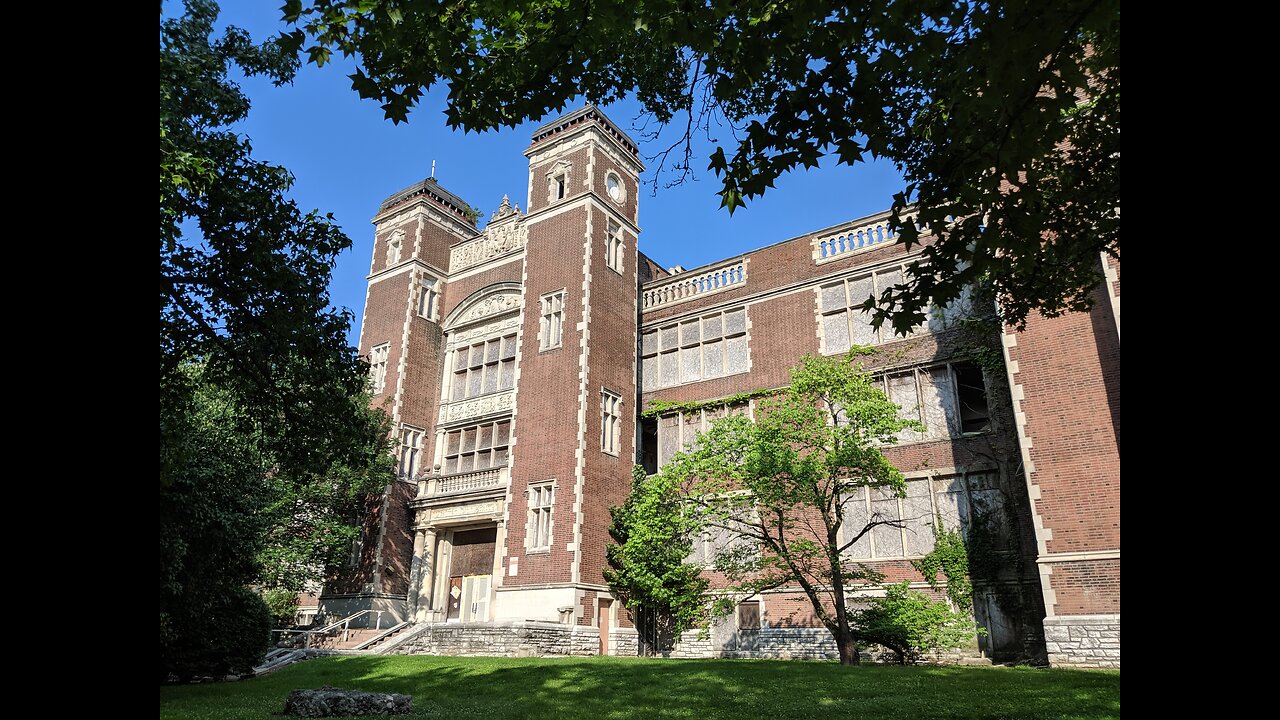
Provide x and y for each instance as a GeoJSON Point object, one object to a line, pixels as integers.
{"type": "Point", "coordinates": [223, 635]}
{"type": "Point", "coordinates": [911, 623]}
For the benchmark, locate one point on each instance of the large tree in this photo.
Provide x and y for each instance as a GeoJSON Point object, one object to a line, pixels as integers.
{"type": "Point", "coordinates": [267, 441]}
{"type": "Point", "coordinates": [777, 490]}
{"type": "Point", "coordinates": [1003, 117]}
{"type": "Point", "coordinates": [652, 537]}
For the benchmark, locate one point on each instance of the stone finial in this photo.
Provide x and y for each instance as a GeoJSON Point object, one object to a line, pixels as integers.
{"type": "Point", "coordinates": [504, 209]}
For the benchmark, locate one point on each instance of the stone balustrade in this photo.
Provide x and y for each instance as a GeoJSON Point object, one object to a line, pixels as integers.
{"type": "Point", "coordinates": [690, 285]}
{"type": "Point", "coordinates": [461, 482]}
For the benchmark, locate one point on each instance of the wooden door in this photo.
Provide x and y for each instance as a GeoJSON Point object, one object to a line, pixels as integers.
{"type": "Point", "coordinates": [602, 620]}
{"type": "Point", "coordinates": [475, 598]}
{"type": "Point", "coordinates": [455, 597]}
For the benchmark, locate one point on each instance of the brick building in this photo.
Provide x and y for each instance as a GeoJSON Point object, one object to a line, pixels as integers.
{"type": "Point", "coordinates": [516, 363]}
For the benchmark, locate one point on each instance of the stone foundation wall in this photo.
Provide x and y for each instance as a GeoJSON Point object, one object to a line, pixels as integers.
{"type": "Point", "coordinates": [624, 642]}
{"type": "Point", "coordinates": [523, 639]}
{"type": "Point", "coordinates": [1083, 640]}
{"type": "Point", "coordinates": [798, 644]}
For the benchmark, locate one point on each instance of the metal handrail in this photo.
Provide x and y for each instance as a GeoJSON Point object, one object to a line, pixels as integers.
{"type": "Point", "coordinates": [344, 623]}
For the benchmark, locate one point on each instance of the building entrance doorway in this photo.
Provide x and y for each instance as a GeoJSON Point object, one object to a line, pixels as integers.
{"type": "Point", "coordinates": [471, 574]}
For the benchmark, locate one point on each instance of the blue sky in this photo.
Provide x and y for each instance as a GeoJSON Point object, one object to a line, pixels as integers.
{"type": "Point", "coordinates": [347, 158]}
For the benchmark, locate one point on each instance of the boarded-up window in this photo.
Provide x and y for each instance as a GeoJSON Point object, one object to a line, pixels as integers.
{"type": "Point", "coordinates": [949, 399]}
{"type": "Point", "coordinates": [954, 498]}
{"type": "Point", "coordinates": [749, 615]}
{"type": "Point", "coordinates": [679, 431]}
{"type": "Point", "coordinates": [842, 319]}
{"type": "Point", "coordinates": [696, 349]}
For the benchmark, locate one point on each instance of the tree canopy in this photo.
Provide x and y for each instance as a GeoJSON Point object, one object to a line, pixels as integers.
{"type": "Point", "coordinates": [1003, 117]}
{"type": "Point", "coordinates": [780, 487]}
{"type": "Point", "coordinates": [268, 445]}
{"type": "Point", "coordinates": [652, 536]}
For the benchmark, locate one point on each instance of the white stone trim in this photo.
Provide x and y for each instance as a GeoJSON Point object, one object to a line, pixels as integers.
{"type": "Point", "coordinates": [806, 285]}
{"type": "Point", "coordinates": [1008, 340]}
{"type": "Point", "coordinates": [488, 265]}
{"type": "Point", "coordinates": [580, 459]}
{"type": "Point", "coordinates": [420, 207]}
{"type": "Point", "coordinates": [405, 266]}
{"type": "Point", "coordinates": [1079, 556]}
{"type": "Point", "coordinates": [1111, 275]}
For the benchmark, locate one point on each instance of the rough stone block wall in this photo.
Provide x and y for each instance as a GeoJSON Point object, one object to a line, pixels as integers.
{"type": "Point", "coordinates": [1083, 640]}
{"type": "Point", "coordinates": [502, 640]}
{"type": "Point", "coordinates": [798, 644]}
{"type": "Point", "coordinates": [624, 642]}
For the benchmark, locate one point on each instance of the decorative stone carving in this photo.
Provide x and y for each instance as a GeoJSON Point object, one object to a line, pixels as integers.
{"type": "Point", "coordinates": [505, 233]}
{"type": "Point", "coordinates": [478, 406]}
{"type": "Point", "coordinates": [489, 507]}
{"type": "Point", "coordinates": [465, 337]}
{"type": "Point", "coordinates": [492, 305]}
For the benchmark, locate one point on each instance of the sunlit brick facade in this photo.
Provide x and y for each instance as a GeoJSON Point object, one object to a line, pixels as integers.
{"type": "Point", "coordinates": [516, 363]}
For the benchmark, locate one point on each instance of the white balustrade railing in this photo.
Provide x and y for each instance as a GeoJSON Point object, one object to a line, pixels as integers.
{"type": "Point", "coordinates": [690, 285]}
{"type": "Point", "coordinates": [860, 235]}
{"type": "Point", "coordinates": [460, 482]}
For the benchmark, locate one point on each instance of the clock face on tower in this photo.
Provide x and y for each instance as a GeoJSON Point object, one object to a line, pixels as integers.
{"type": "Point", "coordinates": [613, 184]}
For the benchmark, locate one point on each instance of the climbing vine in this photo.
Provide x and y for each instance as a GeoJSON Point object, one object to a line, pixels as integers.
{"type": "Point", "coordinates": [950, 557]}
{"type": "Point", "coordinates": [664, 407]}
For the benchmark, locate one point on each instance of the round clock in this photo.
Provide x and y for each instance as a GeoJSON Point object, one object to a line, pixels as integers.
{"type": "Point", "coordinates": [613, 184]}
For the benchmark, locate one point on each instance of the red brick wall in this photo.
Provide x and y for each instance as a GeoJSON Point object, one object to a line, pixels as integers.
{"type": "Point", "coordinates": [1069, 370]}
{"type": "Point", "coordinates": [546, 424]}
{"type": "Point", "coordinates": [1090, 587]}
{"type": "Point", "coordinates": [612, 366]}
{"type": "Point", "coordinates": [397, 540]}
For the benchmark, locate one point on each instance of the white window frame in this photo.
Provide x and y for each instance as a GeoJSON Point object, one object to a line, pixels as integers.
{"type": "Point", "coordinates": [429, 298]}
{"type": "Point", "coordinates": [410, 451]}
{"type": "Point", "coordinates": [395, 247]}
{"type": "Point", "coordinates": [610, 422]}
{"type": "Point", "coordinates": [460, 364]}
{"type": "Point", "coordinates": [931, 434]}
{"type": "Point", "coordinates": [551, 322]}
{"type": "Point", "coordinates": [378, 356]}
{"type": "Point", "coordinates": [540, 532]}
{"type": "Point", "coordinates": [614, 246]}
{"type": "Point", "coordinates": [704, 424]}
{"type": "Point", "coordinates": [451, 459]}
{"type": "Point", "coordinates": [659, 349]}
{"type": "Point", "coordinates": [558, 182]}
{"type": "Point", "coordinates": [868, 541]}
{"type": "Point", "coordinates": [854, 317]}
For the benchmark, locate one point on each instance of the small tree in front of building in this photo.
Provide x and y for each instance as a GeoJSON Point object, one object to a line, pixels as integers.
{"type": "Point", "coordinates": [780, 488]}
{"type": "Point", "coordinates": [647, 572]}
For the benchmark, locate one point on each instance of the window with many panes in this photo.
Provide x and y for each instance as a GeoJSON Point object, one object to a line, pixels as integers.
{"type": "Point", "coordinates": [410, 451]}
{"type": "Point", "coordinates": [700, 348]}
{"type": "Point", "coordinates": [956, 499]}
{"type": "Point", "coordinates": [950, 399]}
{"type": "Point", "coordinates": [843, 322]}
{"type": "Point", "coordinates": [429, 299]}
{"type": "Point", "coordinates": [610, 422]}
{"type": "Point", "coordinates": [378, 366]}
{"type": "Point", "coordinates": [733, 542]}
{"type": "Point", "coordinates": [484, 367]}
{"type": "Point", "coordinates": [551, 326]}
{"type": "Point", "coordinates": [613, 247]}
{"type": "Point", "coordinates": [478, 447]}
{"type": "Point", "coordinates": [542, 499]}
{"type": "Point", "coordinates": [678, 431]}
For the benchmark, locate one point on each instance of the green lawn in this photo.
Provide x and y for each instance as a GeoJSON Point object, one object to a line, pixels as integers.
{"type": "Point", "coordinates": [518, 688]}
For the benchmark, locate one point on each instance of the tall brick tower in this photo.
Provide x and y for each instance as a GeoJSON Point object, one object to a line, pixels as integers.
{"type": "Point", "coordinates": [575, 425]}
{"type": "Point", "coordinates": [400, 335]}
{"type": "Point", "coordinates": [506, 359]}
